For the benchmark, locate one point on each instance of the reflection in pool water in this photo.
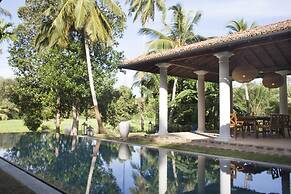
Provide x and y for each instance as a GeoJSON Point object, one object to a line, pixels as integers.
{"type": "Point", "coordinates": [81, 165]}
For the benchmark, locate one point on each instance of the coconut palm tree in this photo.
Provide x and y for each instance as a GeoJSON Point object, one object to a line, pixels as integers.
{"type": "Point", "coordinates": [238, 26]}
{"type": "Point", "coordinates": [6, 32]}
{"type": "Point", "coordinates": [89, 19]}
{"type": "Point", "coordinates": [178, 33]}
{"type": "Point", "coordinates": [145, 9]}
{"type": "Point", "coordinates": [148, 84]}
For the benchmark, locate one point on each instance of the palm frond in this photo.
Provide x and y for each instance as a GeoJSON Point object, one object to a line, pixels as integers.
{"type": "Point", "coordinates": [152, 33]}
{"type": "Point", "coordinates": [114, 8]}
{"type": "Point", "coordinates": [162, 7]}
{"type": "Point", "coordinates": [145, 9]}
{"type": "Point", "coordinates": [84, 16]}
{"type": "Point", "coordinates": [5, 12]}
{"type": "Point", "coordinates": [239, 26]}
{"type": "Point", "coordinates": [160, 45]}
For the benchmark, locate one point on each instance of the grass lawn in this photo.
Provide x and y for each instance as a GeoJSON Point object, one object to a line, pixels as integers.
{"type": "Point", "coordinates": [17, 126]}
{"type": "Point", "coordinates": [12, 126]}
{"type": "Point", "coordinates": [135, 123]}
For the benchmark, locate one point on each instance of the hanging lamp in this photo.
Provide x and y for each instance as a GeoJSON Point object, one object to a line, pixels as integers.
{"type": "Point", "coordinates": [244, 73]}
{"type": "Point", "coordinates": [273, 80]}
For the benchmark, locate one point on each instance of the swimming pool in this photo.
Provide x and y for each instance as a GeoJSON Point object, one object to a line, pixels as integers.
{"type": "Point", "coordinates": [85, 165]}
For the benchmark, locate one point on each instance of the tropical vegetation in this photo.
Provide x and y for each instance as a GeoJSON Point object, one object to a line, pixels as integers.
{"type": "Point", "coordinates": [72, 74]}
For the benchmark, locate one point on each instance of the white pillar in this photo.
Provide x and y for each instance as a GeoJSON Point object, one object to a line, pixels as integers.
{"type": "Point", "coordinates": [231, 95]}
{"type": "Point", "coordinates": [284, 94]}
{"type": "Point", "coordinates": [224, 95]}
{"type": "Point", "coordinates": [201, 174]}
{"type": "Point", "coordinates": [163, 175]}
{"type": "Point", "coordinates": [225, 177]}
{"type": "Point", "coordinates": [163, 99]}
{"type": "Point", "coordinates": [201, 100]}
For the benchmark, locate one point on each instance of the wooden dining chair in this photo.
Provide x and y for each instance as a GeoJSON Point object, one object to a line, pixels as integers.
{"type": "Point", "coordinates": [285, 122]}
{"type": "Point", "coordinates": [235, 125]}
{"type": "Point", "coordinates": [276, 124]}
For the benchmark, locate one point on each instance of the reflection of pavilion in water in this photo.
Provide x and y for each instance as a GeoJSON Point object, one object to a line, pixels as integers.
{"type": "Point", "coordinates": [228, 173]}
{"type": "Point", "coordinates": [90, 166]}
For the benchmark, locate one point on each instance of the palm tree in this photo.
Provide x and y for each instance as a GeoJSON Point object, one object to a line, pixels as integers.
{"type": "Point", "coordinates": [87, 18]}
{"type": "Point", "coordinates": [148, 84]}
{"type": "Point", "coordinates": [179, 33]}
{"type": "Point", "coordinates": [145, 9]}
{"type": "Point", "coordinates": [238, 26]}
{"type": "Point", "coordinates": [6, 32]}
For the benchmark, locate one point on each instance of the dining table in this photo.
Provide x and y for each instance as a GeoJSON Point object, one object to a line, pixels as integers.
{"type": "Point", "coordinates": [254, 124]}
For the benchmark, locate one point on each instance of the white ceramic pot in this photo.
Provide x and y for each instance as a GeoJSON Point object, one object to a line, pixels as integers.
{"type": "Point", "coordinates": [124, 128]}
{"type": "Point", "coordinates": [124, 152]}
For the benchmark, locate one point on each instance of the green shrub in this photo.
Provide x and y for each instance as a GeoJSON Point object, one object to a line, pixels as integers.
{"type": "Point", "coordinates": [32, 121]}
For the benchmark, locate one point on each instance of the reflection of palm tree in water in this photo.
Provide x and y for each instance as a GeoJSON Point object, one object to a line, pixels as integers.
{"type": "Point", "coordinates": [146, 173]}
{"type": "Point", "coordinates": [57, 136]}
{"type": "Point", "coordinates": [96, 147]}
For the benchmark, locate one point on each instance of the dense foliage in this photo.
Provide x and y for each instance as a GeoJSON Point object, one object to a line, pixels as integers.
{"type": "Point", "coordinates": [263, 101]}
{"type": "Point", "coordinates": [122, 107]}
{"type": "Point", "coordinates": [8, 110]}
{"type": "Point", "coordinates": [43, 77]}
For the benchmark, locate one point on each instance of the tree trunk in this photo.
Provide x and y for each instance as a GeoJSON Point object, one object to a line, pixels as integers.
{"type": "Point", "coordinates": [57, 144]}
{"type": "Point", "coordinates": [142, 104]}
{"type": "Point", "coordinates": [100, 128]}
{"type": "Point", "coordinates": [74, 142]}
{"type": "Point", "coordinates": [174, 89]}
{"type": "Point", "coordinates": [174, 168]}
{"type": "Point", "coordinates": [92, 166]}
{"type": "Point", "coordinates": [173, 98]}
{"type": "Point", "coordinates": [247, 99]}
{"type": "Point", "coordinates": [58, 115]}
{"type": "Point", "coordinates": [75, 124]}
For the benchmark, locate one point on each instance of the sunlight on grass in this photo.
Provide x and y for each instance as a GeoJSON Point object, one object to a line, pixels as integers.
{"type": "Point", "coordinates": [17, 126]}
{"type": "Point", "coordinates": [12, 126]}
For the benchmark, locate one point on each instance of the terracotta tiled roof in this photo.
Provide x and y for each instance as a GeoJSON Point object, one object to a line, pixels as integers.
{"type": "Point", "coordinates": [260, 31]}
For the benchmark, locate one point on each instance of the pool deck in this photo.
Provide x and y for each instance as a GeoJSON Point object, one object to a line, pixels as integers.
{"type": "Point", "coordinates": [265, 145]}
{"type": "Point", "coordinates": [19, 181]}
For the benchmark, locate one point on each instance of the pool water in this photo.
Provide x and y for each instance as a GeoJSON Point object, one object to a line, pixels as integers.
{"type": "Point", "coordinates": [84, 165]}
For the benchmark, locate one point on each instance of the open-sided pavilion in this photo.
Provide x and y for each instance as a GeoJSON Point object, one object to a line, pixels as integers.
{"type": "Point", "coordinates": [267, 48]}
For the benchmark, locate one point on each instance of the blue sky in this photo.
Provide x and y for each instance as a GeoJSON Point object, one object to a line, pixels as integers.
{"type": "Point", "coordinates": [216, 14]}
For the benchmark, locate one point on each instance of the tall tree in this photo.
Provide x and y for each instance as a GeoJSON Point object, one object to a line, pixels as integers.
{"type": "Point", "coordinates": [238, 26]}
{"type": "Point", "coordinates": [148, 85]}
{"type": "Point", "coordinates": [178, 33]}
{"type": "Point", "coordinates": [89, 19]}
{"type": "Point", "coordinates": [57, 73]}
{"type": "Point", "coordinates": [145, 9]}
